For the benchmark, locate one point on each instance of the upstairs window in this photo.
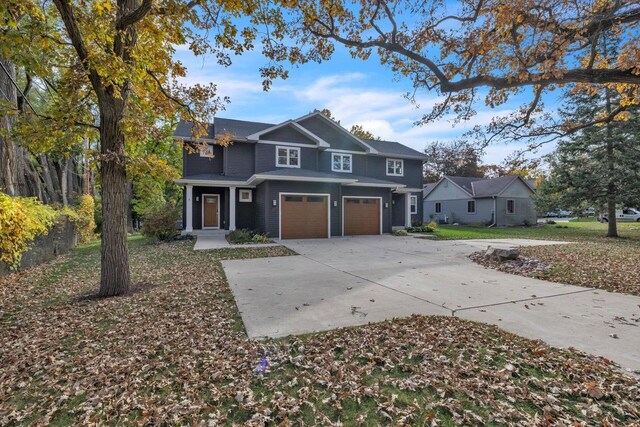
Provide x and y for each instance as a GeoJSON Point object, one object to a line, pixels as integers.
{"type": "Point", "coordinates": [471, 206]}
{"type": "Point", "coordinates": [288, 157]}
{"type": "Point", "coordinates": [511, 206]}
{"type": "Point", "coordinates": [414, 204]}
{"type": "Point", "coordinates": [395, 167]}
{"type": "Point", "coordinates": [206, 151]}
{"type": "Point", "coordinates": [341, 162]}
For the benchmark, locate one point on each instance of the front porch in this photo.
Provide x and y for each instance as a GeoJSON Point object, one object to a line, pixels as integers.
{"type": "Point", "coordinates": [212, 208]}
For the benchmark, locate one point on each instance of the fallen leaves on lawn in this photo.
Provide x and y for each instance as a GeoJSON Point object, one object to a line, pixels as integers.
{"type": "Point", "coordinates": [175, 353]}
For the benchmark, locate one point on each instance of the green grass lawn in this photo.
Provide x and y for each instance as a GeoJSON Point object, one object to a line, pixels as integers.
{"type": "Point", "coordinates": [594, 260]}
{"type": "Point", "coordinates": [174, 352]}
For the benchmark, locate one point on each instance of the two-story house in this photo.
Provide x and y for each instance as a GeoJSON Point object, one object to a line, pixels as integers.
{"type": "Point", "coordinates": [303, 178]}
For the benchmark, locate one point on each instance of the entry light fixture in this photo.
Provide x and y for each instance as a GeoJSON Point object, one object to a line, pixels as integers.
{"type": "Point", "coordinates": [197, 198]}
{"type": "Point", "coordinates": [335, 203]}
{"type": "Point", "coordinates": [275, 203]}
{"type": "Point", "coordinates": [386, 205]}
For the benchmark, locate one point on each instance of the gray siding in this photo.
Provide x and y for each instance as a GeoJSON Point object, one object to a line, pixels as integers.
{"type": "Point", "coordinates": [194, 164]}
{"type": "Point", "coordinates": [398, 210]}
{"type": "Point", "coordinates": [246, 211]}
{"type": "Point", "coordinates": [266, 158]}
{"type": "Point", "coordinates": [525, 211]}
{"type": "Point", "coordinates": [287, 134]}
{"type": "Point", "coordinates": [456, 211]}
{"type": "Point", "coordinates": [334, 137]}
{"type": "Point", "coordinates": [377, 168]}
{"type": "Point", "coordinates": [446, 190]}
{"type": "Point", "coordinates": [240, 159]}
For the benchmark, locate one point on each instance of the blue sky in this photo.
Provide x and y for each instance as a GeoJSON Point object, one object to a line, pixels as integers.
{"type": "Point", "coordinates": [356, 92]}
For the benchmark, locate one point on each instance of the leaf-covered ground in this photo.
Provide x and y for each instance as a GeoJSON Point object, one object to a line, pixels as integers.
{"type": "Point", "coordinates": [593, 261]}
{"type": "Point", "coordinates": [174, 352]}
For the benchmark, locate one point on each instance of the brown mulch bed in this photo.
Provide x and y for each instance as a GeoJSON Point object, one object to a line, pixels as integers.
{"type": "Point", "coordinates": [175, 353]}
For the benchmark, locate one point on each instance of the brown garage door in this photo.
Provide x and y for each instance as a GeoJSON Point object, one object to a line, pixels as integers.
{"type": "Point", "coordinates": [361, 216]}
{"type": "Point", "coordinates": [304, 216]}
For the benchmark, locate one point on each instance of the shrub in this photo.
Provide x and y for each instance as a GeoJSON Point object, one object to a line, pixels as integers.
{"type": "Point", "coordinates": [424, 228]}
{"type": "Point", "coordinates": [400, 233]}
{"type": "Point", "coordinates": [243, 236]}
{"type": "Point", "coordinates": [550, 221]}
{"type": "Point", "coordinates": [83, 217]}
{"type": "Point", "coordinates": [159, 221]}
{"type": "Point", "coordinates": [21, 220]}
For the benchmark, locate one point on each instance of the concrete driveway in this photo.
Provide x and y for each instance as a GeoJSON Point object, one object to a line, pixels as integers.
{"type": "Point", "coordinates": [352, 281]}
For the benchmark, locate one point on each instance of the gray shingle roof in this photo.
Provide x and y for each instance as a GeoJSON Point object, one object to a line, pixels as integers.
{"type": "Point", "coordinates": [478, 187]}
{"type": "Point", "coordinates": [185, 130]}
{"type": "Point", "coordinates": [393, 148]}
{"type": "Point", "coordinates": [426, 189]}
{"type": "Point", "coordinates": [215, 177]}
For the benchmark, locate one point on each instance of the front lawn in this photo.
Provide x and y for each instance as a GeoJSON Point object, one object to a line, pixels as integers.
{"type": "Point", "coordinates": [174, 352]}
{"type": "Point", "coordinates": [594, 260]}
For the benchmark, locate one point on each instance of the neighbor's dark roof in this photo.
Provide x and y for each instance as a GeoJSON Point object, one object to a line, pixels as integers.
{"type": "Point", "coordinates": [393, 148]}
{"type": "Point", "coordinates": [426, 189]}
{"type": "Point", "coordinates": [478, 187]}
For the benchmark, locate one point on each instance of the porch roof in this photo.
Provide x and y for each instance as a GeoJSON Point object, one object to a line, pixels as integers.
{"type": "Point", "coordinates": [213, 180]}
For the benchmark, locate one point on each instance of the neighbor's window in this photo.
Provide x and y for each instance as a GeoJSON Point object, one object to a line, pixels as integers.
{"type": "Point", "coordinates": [245, 195]}
{"type": "Point", "coordinates": [471, 206]}
{"type": "Point", "coordinates": [206, 151]}
{"type": "Point", "coordinates": [288, 157]}
{"type": "Point", "coordinates": [395, 167]}
{"type": "Point", "coordinates": [511, 206]}
{"type": "Point", "coordinates": [438, 207]}
{"type": "Point", "coordinates": [341, 162]}
{"type": "Point", "coordinates": [414, 204]}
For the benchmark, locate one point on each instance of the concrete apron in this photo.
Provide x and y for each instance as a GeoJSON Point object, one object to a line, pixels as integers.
{"type": "Point", "coordinates": [353, 281]}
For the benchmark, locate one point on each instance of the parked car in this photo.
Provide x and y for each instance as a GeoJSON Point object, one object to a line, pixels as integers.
{"type": "Point", "coordinates": [624, 215]}
{"type": "Point", "coordinates": [589, 212]}
{"type": "Point", "coordinates": [551, 214]}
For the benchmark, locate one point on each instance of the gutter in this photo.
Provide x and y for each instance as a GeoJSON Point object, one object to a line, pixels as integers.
{"type": "Point", "coordinates": [495, 212]}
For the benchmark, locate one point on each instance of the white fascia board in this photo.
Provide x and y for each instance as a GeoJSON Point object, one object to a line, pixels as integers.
{"type": "Point", "coordinates": [364, 184]}
{"type": "Point", "coordinates": [319, 141]}
{"type": "Point", "coordinates": [400, 156]}
{"type": "Point", "coordinates": [212, 183]}
{"type": "Point", "coordinates": [404, 189]}
{"type": "Point", "coordinates": [256, 179]}
{"type": "Point", "coordinates": [369, 148]}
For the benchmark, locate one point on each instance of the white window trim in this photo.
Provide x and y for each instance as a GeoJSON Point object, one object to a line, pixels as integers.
{"type": "Point", "coordinates": [207, 152]}
{"type": "Point", "coordinates": [245, 191]}
{"type": "Point", "coordinates": [342, 155]}
{"type": "Point", "coordinates": [414, 205]}
{"type": "Point", "coordinates": [289, 149]}
{"type": "Point", "coordinates": [386, 164]}
{"type": "Point", "coordinates": [435, 207]}
{"type": "Point", "coordinates": [475, 207]}
{"type": "Point", "coordinates": [506, 207]}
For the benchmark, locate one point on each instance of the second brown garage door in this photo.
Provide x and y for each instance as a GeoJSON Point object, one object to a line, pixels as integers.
{"type": "Point", "coordinates": [304, 216]}
{"type": "Point", "coordinates": [361, 216]}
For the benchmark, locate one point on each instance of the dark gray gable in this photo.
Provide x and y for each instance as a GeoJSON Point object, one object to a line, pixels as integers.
{"type": "Point", "coordinates": [336, 138]}
{"type": "Point", "coordinates": [288, 134]}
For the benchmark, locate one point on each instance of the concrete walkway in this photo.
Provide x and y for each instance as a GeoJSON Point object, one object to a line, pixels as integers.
{"type": "Point", "coordinates": [352, 281]}
{"type": "Point", "coordinates": [215, 239]}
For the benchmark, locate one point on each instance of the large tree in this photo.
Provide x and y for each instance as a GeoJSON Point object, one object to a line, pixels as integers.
{"type": "Point", "coordinates": [119, 80]}
{"type": "Point", "coordinates": [482, 50]}
{"type": "Point", "coordinates": [457, 158]}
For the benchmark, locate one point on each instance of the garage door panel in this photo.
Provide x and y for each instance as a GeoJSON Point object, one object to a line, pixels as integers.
{"type": "Point", "coordinates": [361, 216]}
{"type": "Point", "coordinates": [304, 216]}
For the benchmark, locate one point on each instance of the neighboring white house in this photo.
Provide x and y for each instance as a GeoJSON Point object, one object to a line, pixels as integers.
{"type": "Point", "coordinates": [463, 200]}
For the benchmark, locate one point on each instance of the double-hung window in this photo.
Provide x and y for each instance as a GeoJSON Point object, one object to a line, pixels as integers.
{"type": "Point", "coordinates": [288, 157]}
{"type": "Point", "coordinates": [438, 207]}
{"type": "Point", "coordinates": [395, 167]}
{"type": "Point", "coordinates": [414, 204]}
{"type": "Point", "coordinates": [340, 162]}
{"type": "Point", "coordinates": [471, 206]}
{"type": "Point", "coordinates": [511, 206]}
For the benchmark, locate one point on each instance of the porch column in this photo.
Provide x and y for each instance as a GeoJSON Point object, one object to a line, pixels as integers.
{"type": "Point", "coordinates": [189, 211]}
{"type": "Point", "coordinates": [407, 210]}
{"type": "Point", "coordinates": [232, 208]}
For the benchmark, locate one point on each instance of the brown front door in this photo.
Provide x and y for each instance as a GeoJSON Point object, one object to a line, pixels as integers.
{"type": "Point", "coordinates": [211, 211]}
{"type": "Point", "coordinates": [304, 216]}
{"type": "Point", "coordinates": [361, 216]}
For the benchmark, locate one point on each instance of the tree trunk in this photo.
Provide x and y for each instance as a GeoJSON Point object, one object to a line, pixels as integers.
{"type": "Point", "coordinates": [8, 150]}
{"type": "Point", "coordinates": [115, 277]}
{"type": "Point", "coordinates": [86, 172]}
{"type": "Point", "coordinates": [612, 224]}
{"type": "Point", "coordinates": [64, 188]}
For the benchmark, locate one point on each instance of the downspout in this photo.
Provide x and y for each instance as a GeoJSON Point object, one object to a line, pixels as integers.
{"type": "Point", "coordinates": [495, 212]}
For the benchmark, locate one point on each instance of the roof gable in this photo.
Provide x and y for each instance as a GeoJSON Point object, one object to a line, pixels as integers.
{"type": "Point", "coordinates": [445, 189]}
{"type": "Point", "coordinates": [477, 187]}
{"type": "Point", "coordinates": [337, 136]}
{"type": "Point", "coordinates": [289, 133]}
